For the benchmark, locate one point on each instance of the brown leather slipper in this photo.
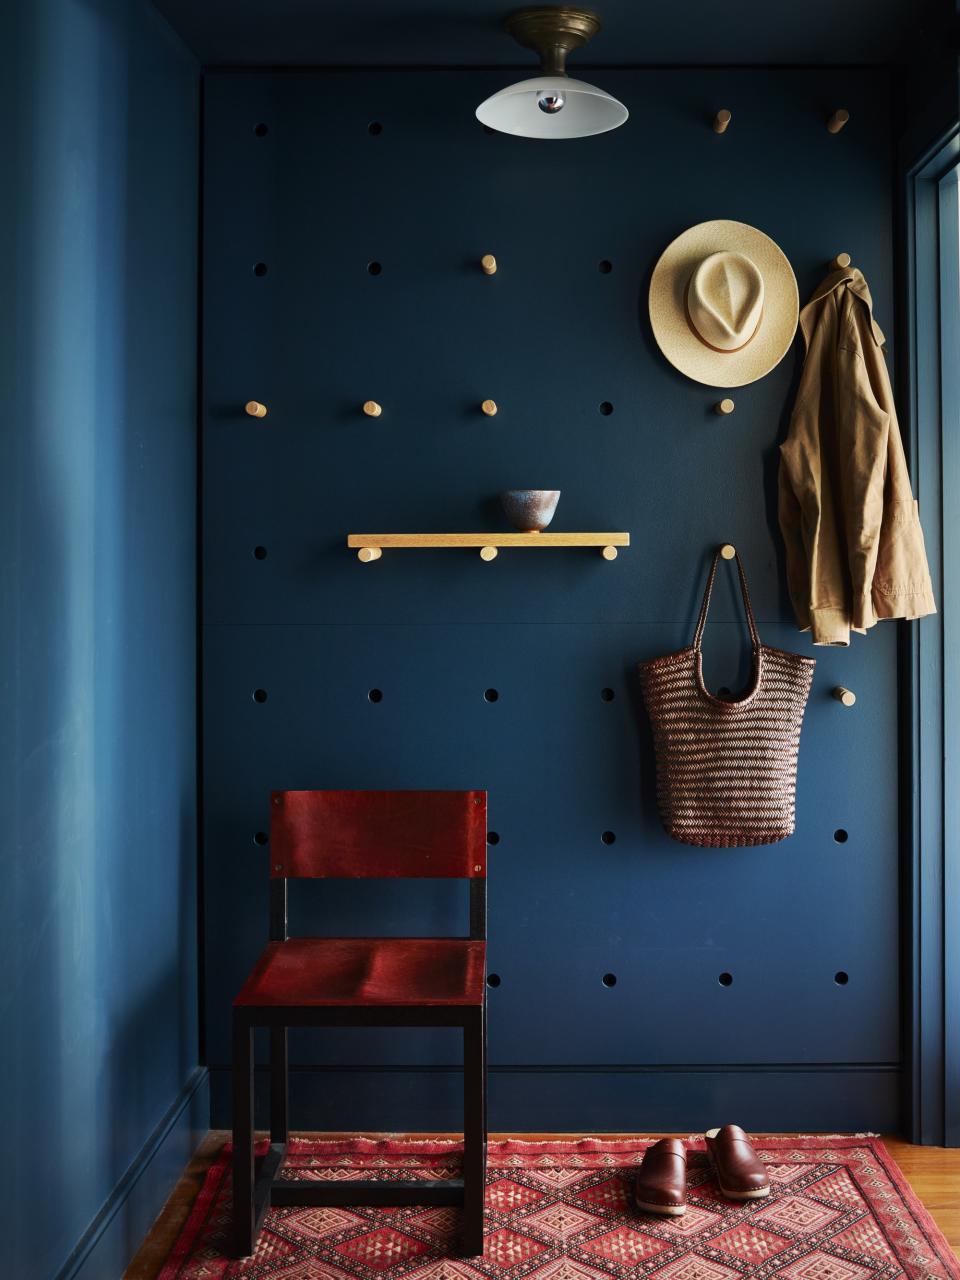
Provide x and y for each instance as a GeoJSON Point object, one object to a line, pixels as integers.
{"type": "Point", "coordinates": [740, 1172]}
{"type": "Point", "coordinates": [660, 1185]}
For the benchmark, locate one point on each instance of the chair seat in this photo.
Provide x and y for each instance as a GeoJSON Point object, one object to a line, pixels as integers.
{"type": "Point", "coordinates": [367, 971]}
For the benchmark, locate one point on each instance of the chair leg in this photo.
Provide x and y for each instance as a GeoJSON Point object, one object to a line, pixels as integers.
{"type": "Point", "coordinates": [243, 1210]}
{"type": "Point", "coordinates": [279, 1086]}
{"type": "Point", "coordinates": [486, 1129]}
{"type": "Point", "coordinates": [474, 1135]}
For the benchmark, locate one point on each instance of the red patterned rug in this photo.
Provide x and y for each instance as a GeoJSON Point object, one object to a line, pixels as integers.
{"type": "Point", "coordinates": [839, 1209]}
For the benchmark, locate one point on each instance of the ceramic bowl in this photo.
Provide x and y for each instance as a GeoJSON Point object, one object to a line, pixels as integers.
{"type": "Point", "coordinates": [530, 509]}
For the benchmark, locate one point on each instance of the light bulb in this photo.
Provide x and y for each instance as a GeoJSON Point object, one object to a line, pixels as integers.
{"type": "Point", "coordinates": [551, 102]}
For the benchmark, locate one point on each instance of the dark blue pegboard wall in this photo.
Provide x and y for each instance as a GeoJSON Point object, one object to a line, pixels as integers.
{"type": "Point", "coordinates": [643, 984]}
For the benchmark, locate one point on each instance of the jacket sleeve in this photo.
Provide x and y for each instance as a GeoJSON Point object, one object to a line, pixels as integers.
{"type": "Point", "coordinates": [791, 526]}
{"type": "Point", "coordinates": [863, 428]}
{"type": "Point", "coordinates": [888, 560]}
{"type": "Point", "coordinates": [816, 574]}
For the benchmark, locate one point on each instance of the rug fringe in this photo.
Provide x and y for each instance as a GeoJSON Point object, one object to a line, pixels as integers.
{"type": "Point", "coordinates": [424, 1139]}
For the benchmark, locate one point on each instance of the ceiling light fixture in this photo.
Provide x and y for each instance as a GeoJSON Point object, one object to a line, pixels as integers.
{"type": "Point", "coordinates": [552, 105]}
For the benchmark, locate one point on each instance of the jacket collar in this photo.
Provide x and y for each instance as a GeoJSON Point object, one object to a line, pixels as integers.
{"type": "Point", "coordinates": [851, 279]}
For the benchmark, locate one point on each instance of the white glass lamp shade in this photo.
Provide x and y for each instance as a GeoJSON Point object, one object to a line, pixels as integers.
{"type": "Point", "coordinates": [552, 107]}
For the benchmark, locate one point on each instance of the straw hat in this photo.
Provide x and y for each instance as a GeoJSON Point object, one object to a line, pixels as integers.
{"type": "Point", "coordinates": [724, 303]}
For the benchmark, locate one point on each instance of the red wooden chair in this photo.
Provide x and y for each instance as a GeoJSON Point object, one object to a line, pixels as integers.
{"type": "Point", "coordinates": [350, 982]}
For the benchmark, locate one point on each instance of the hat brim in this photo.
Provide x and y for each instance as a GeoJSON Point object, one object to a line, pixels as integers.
{"type": "Point", "coordinates": [668, 310]}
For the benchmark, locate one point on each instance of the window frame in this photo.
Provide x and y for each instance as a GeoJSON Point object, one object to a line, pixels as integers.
{"type": "Point", "coordinates": [930, 685]}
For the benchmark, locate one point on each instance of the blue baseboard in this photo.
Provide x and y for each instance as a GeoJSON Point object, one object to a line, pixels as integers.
{"type": "Point", "coordinates": [130, 1210]}
{"type": "Point", "coordinates": [786, 1099]}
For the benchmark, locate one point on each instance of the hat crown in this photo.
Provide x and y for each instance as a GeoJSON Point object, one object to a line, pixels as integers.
{"type": "Point", "coordinates": [725, 300]}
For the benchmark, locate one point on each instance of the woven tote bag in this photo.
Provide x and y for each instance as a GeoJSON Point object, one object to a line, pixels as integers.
{"type": "Point", "coordinates": [727, 768]}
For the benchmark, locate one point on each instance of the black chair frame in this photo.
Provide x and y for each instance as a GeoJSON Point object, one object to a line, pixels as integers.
{"type": "Point", "coordinates": [256, 1185]}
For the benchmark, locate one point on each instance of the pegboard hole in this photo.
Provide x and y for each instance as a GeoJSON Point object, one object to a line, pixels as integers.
{"type": "Point", "coordinates": [260, 269]}
{"type": "Point", "coordinates": [259, 553]}
{"type": "Point", "coordinates": [259, 695]}
{"type": "Point", "coordinates": [374, 128]}
{"type": "Point", "coordinates": [604, 266]}
{"type": "Point", "coordinates": [609, 979]}
{"type": "Point", "coordinates": [726, 979]}
{"type": "Point", "coordinates": [841, 978]}
{"type": "Point", "coordinates": [375, 695]}
{"type": "Point", "coordinates": [261, 130]}
{"type": "Point", "coordinates": [260, 838]}
{"type": "Point", "coordinates": [606, 408]}
{"type": "Point", "coordinates": [493, 837]}
{"type": "Point", "coordinates": [841, 836]}
{"type": "Point", "coordinates": [493, 979]}
{"type": "Point", "coordinates": [490, 695]}
{"type": "Point", "coordinates": [607, 695]}
{"type": "Point", "coordinates": [609, 837]}
{"type": "Point", "coordinates": [374, 268]}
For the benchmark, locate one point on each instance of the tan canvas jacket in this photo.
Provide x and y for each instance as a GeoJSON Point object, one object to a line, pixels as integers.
{"type": "Point", "coordinates": [855, 550]}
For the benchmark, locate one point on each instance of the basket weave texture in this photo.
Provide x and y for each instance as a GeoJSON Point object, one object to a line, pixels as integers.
{"type": "Point", "coordinates": [727, 768]}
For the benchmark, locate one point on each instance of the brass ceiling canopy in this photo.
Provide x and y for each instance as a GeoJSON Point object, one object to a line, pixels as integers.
{"type": "Point", "coordinates": [551, 104]}
{"type": "Point", "coordinates": [553, 31]}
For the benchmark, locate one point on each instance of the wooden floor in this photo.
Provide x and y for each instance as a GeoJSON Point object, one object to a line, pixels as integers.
{"type": "Point", "coordinates": [933, 1172]}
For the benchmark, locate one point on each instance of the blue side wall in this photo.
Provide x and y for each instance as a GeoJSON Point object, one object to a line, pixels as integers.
{"type": "Point", "coordinates": [97, 535]}
{"type": "Point", "coordinates": [551, 338]}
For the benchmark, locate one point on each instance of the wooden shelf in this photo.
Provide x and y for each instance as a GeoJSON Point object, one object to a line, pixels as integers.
{"type": "Point", "coordinates": [370, 545]}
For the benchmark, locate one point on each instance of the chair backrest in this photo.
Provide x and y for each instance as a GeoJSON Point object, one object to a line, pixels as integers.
{"type": "Point", "coordinates": [380, 834]}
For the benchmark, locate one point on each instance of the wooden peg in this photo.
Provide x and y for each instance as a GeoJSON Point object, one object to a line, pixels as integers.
{"type": "Point", "coordinates": [367, 554]}
{"type": "Point", "coordinates": [724, 406]}
{"type": "Point", "coordinates": [488, 264]}
{"type": "Point", "coordinates": [846, 696]}
{"type": "Point", "coordinates": [840, 261]}
{"type": "Point", "coordinates": [837, 120]}
{"type": "Point", "coordinates": [489, 407]}
{"type": "Point", "coordinates": [372, 409]}
{"type": "Point", "coordinates": [728, 551]}
{"type": "Point", "coordinates": [609, 553]}
{"type": "Point", "coordinates": [721, 121]}
{"type": "Point", "coordinates": [488, 553]}
{"type": "Point", "coordinates": [255, 409]}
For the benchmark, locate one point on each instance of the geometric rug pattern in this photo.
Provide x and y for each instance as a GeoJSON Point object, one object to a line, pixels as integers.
{"type": "Point", "coordinates": [839, 1209]}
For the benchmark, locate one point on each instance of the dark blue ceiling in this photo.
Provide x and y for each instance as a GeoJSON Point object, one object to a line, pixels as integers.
{"type": "Point", "coordinates": [469, 32]}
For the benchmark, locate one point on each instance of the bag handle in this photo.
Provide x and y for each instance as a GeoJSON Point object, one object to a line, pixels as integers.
{"type": "Point", "coordinates": [704, 608]}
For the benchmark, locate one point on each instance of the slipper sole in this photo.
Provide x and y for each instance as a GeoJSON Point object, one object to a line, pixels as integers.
{"type": "Point", "coordinates": [743, 1195]}
{"type": "Point", "coordinates": [760, 1194]}
{"type": "Point", "coordinates": [668, 1210]}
